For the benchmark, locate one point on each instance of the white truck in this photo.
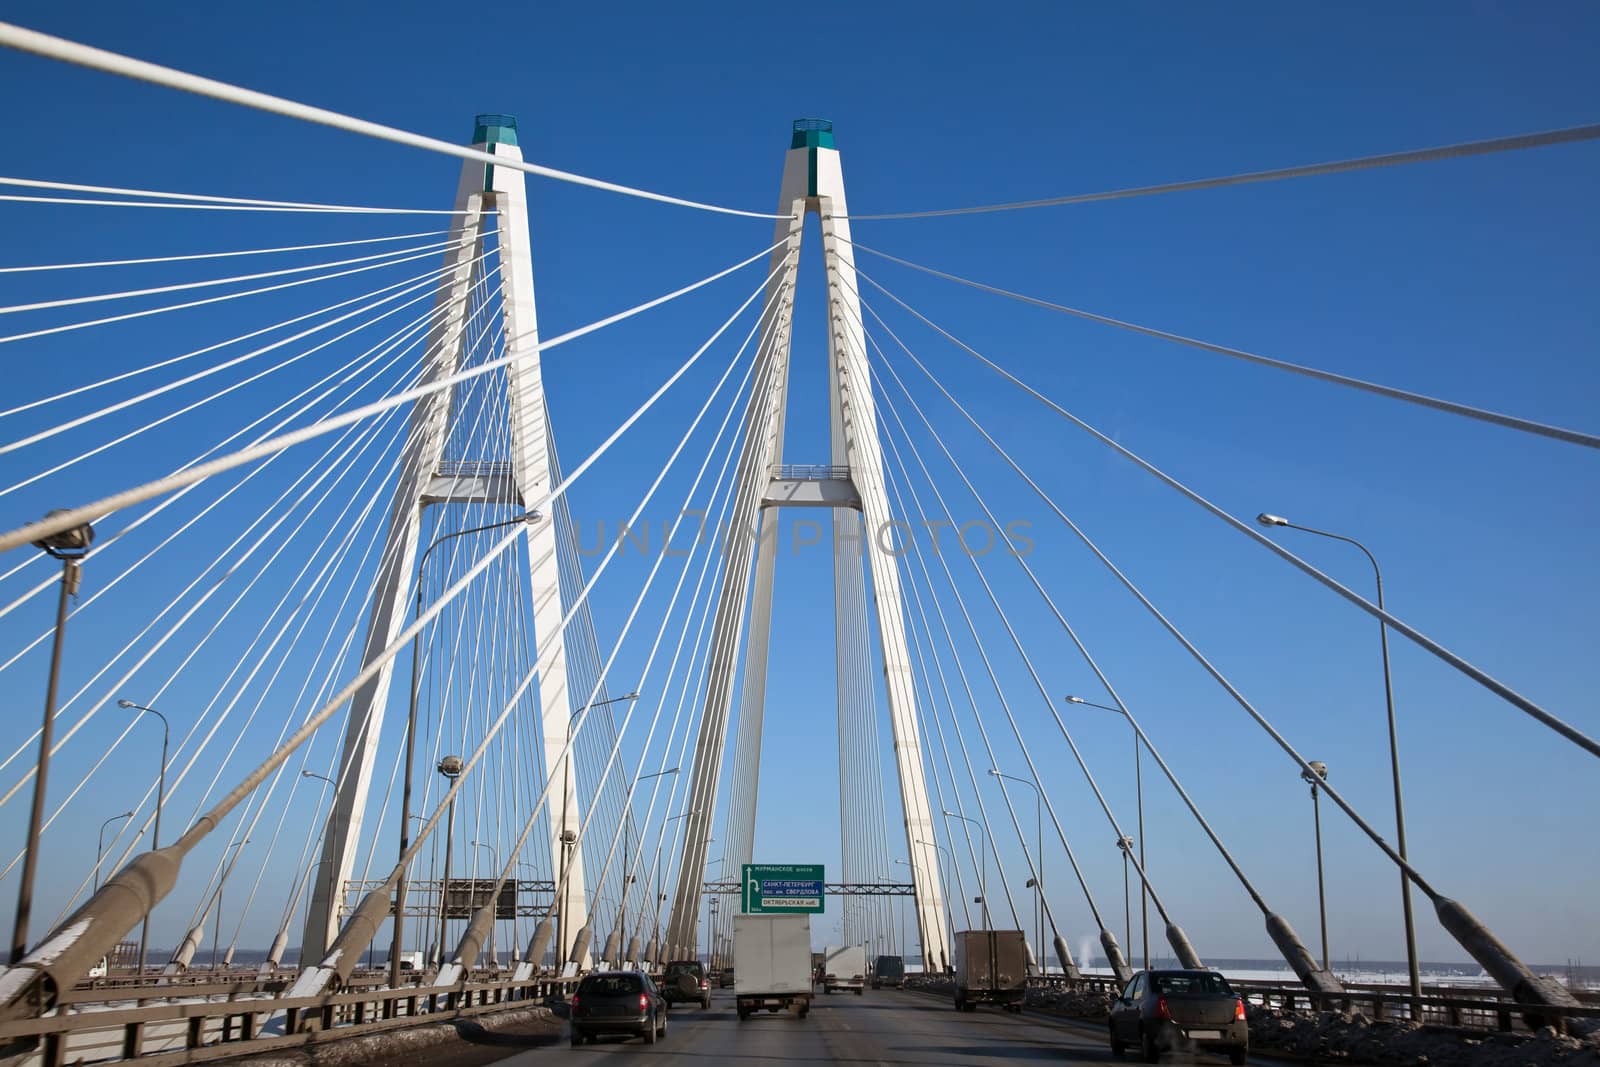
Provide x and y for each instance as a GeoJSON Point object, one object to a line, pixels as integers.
{"type": "Point", "coordinates": [771, 963]}
{"type": "Point", "coordinates": [844, 967]}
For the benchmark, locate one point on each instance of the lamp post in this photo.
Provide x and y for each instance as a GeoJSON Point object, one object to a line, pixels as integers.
{"type": "Point", "coordinates": [627, 874]}
{"type": "Point", "coordinates": [70, 547]}
{"type": "Point", "coordinates": [397, 941]}
{"type": "Point", "coordinates": [711, 919]}
{"type": "Point", "coordinates": [1125, 844]}
{"type": "Point", "coordinates": [494, 857]}
{"type": "Point", "coordinates": [227, 869]}
{"type": "Point", "coordinates": [661, 898]}
{"type": "Point", "coordinates": [945, 963]}
{"type": "Point", "coordinates": [903, 942]}
{"type": "Point", "coordinates": [161, 801]}
{"type": "Point", "coordinates": [983, 877]}
{"type": "Point", "coordinates": [1138, 789]}
{"type": "Point", "coordinates": [450, 767]}
{"type": "Point", "coordinates": [100, 847]}
{"type": "Point", "coordinates": [332, 872]}
{"type": "Point", "coordinates": [1413, 968]}
{"type": "Point", "coordinates": [1321, 775]}
{"type": "Point", "coordinates": [1034, 882]}
{"type": "Point", "coordinates": [568, 838]}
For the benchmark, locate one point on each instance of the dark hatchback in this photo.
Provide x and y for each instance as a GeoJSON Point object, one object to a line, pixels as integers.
{"type": "Point", "coordinates": [889, 971]}
{"type": "Point", "coordinates": [617, 1002]}
{"type": "Point", "coordinates": [1161, 1011]}
{"type": "Point", "coordinates": [685, 982]}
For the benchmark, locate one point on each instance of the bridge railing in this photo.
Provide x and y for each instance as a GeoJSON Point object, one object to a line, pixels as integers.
{"type": "Point", "coordinates": [808, 472]}
{"type": "Point", "coordinates": [1487, 1008]}
{"type": "Point", "coordinates": [200, 1022]}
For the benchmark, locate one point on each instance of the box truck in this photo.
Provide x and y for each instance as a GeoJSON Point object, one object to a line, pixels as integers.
{"type": "Point", "coordinates": [771, 963]}
{"type": "Point", "coordinates": [844, 967]}
{"type": "Point", "coordinates": [991, 968]}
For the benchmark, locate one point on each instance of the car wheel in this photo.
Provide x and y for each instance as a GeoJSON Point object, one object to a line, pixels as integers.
{"type": "Point", "coordinates": [858, 991]}
{"type": "Point", "coordinates": [1147, 1045]}
{"type": "Point", "coordinates": [661, 1031]}
{"type": "Point", "coordinates": [706, 1003]}
{"type": "Point", "coordinates": [961, 1003]}
{"type": "Point", "coordinates": [1236, 1056]}
{"type": "Point", "coordinates": [577, 1039]}
{"type": "Point", "coordinates": [1117, 1047]}
{"type": "Point", "coordinates": [650, 1031]}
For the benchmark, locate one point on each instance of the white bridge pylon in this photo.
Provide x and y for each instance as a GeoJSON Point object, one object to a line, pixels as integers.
{"type": "Point", "coordinates": [483, 190]}
{"type": "Point", "coordinates": [853, 486]}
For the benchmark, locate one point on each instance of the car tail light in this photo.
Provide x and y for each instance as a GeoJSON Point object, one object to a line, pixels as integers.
{"type": "Point", "coordinates": [644, 1002]}
{"type": "Point", "coordinates": [1238, 1010]}
{"type": "Point", "coordinates": [1162, 1012]}
{"type": "Point", "coordinates": [704, 984]}
{"type": "Point", "coordinates": [573, 1004]}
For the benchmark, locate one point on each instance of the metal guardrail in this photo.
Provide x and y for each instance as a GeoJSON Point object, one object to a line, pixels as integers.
{"type": "Point", "coordinates": [192, 1030]}
{"type": "Point", "coordinates": [808, 472]}
{"type": "Point", "coordinates": [1467, 1008]}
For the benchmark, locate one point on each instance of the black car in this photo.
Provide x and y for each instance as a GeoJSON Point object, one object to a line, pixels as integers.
{"type": "Point", "coordinates": [889, 971]}
{"type": "Point", "coordinates": [1163, 1011]}
{"type": "Point", "coordinates": [685, 981]}
{"type": "Point", "coordinates": [617, 1002]}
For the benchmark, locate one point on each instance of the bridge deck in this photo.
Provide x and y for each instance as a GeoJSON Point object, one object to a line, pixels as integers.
{"type": "Point", "coordinates": [880, 1026]}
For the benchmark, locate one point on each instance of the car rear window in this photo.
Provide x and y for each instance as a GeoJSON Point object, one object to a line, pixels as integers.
{"type": "Point", "coordinates": [1179, 984]}
{"type": "Point", "coordinates": [683, 968]}
{"type": "Point", "coordinates": [611, 985]}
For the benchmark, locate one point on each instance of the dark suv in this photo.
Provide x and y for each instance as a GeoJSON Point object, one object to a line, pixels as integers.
{"type": "Point", "coordinates": [685, 982]}
{"type": "Point", "coordinates": [617, 1002]}
{"type": "Point", "coordinates": [1179, 1011]}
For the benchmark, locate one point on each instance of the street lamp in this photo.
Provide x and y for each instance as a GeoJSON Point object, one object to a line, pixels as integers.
{"type": "Point", "coordinates": [1414, 970]}
{"type": "Point", "coordinates": [70, 547]}
{"type": "Point", "coordinates": [1125, 845]}
{"type": "Point", "coordinates": [332, 871]}
{"type": "Point", "coordinates": [1138, 789]}
{"type": "Point", "coordinates": [711, 918]}
{"type": "Point", "coordinates": [397, 942]}
{"type": "Point", "coordinates": [227, 869]}
{"type": "Point", "coordinates": [100, 848]}
{"type": "Point", "coordinates": [494, 857]}
{"type": "Point", "coordinates": [450, 767]}
{"type": "Point", "coordinates": [1320, 775]}
{"type": "Point", "coordinates": [1033, 883]}
{"type": "Point", "coordinates": [161, 800]}
{"type": "Point", "coordinates": [627, 874]}
{"type": "Point", "coordinates": [983, 878]}
{"type": "Point", "coordinates": [568, 836]}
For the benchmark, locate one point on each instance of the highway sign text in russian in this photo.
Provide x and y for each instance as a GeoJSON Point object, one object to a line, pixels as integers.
{"type": "Point", "coordinates": [782, 887]}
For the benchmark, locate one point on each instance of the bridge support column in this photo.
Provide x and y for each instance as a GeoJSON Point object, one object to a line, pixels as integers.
{"type": "Point", "coordinates": [482, 188]}
{"type": "Point", "coordinates": [812, 181]}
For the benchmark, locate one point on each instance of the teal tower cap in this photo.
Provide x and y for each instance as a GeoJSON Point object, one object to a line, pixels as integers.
{"type": "Point", "coordinates": [812, 133]}
{"type": "Point", "coordinates": [494, 129]}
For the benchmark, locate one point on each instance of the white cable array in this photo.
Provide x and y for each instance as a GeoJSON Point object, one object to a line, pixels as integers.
{"type": "Point", "coordinates": [1483, 678]}
{"type": "Point", "coordinates": [66, 51]}
{"type": "Point", "coordinates": [196, 256]}
{"type": "Point", "coordinates": [69, 518]}
{"type": "Point", "coordinates": [1422, 155]}
{"type": "Point", "coordinates": [1496, 418]}
{"type": "Point", "coordinates": [199, 201]}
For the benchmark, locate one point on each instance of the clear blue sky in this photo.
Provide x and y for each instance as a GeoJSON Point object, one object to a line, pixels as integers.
{"type": "Point", "coordinates": [1471, 279]}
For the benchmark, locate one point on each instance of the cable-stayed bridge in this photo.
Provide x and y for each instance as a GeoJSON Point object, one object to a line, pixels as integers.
{"type": "Point", "coordinates": [301, 512]}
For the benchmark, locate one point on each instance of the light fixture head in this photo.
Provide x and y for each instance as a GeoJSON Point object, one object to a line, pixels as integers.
{"type": "Point", "coordinates": [1266, 519]}
{"type": "Point", "coordinates": [1076, 700]}
{"type": "Point", "coordinates": [1319, 769]}
{"type": "Point", "coordinates": [71, 543]}
{"type": "Point", "coordinates": [126, 704]}
{"type": "Point", "coordinates": [450, 766]}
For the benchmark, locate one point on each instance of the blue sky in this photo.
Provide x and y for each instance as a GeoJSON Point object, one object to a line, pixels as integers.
{"type": "Point", "coordinates": [1471, 279]}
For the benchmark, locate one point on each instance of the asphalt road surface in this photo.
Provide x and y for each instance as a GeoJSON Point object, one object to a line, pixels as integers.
{"type": "Point", "coordinates": [880, 1026]}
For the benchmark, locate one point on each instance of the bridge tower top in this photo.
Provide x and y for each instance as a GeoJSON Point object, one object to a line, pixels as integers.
{"type": "Point", "coordinates": [494, 129]}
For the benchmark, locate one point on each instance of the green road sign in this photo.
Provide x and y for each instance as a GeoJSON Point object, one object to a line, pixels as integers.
{"type": "Point", "coordinates": [790, 888]}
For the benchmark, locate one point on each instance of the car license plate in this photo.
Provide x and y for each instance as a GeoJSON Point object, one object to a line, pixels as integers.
{"type": "Point", "coordinates": [1205, 1035]}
